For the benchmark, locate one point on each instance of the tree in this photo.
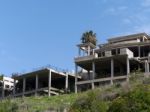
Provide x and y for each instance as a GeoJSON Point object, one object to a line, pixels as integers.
{"type": "Point", "coordinates": [1, 76]}
{"type": "Point", "coordinates": [89, 37]}
{"type": "Point", "coordinates": [14, 75]}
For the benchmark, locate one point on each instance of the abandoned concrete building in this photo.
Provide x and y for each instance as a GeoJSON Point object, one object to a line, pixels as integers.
{"type": "Point", "coordinates": [44, 81]}
{"type": "Point", "coordinates": [111, 62]}
{"type": "Point", "coordinates": [6, 86]}
{"type": "Point", "coordinates": [107, 63]}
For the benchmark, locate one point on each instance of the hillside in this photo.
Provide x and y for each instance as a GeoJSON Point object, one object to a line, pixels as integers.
{"type": "Point", "coordinates": [126, 97]}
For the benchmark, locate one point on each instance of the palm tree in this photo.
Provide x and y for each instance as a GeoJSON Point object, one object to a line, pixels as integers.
{"type": "Point", "coordinates": [89, 37]}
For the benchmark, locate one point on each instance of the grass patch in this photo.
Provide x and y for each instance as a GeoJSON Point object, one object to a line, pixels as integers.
{"type": "Point", "coordinates": [133, 96]}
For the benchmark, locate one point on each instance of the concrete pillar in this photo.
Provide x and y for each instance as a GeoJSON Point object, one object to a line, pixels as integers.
{"type": "Point", "coordinates": [79, 52]}
{"type": "Point", "coordinates": [88, 50]}
{"type": "Point", "coordinates": [143, 39]}
{"type": "Point", "coordinates": [76, 78]}
{"type": "Point", "coordinates": [139, 51]}
{"type": "Point", "coordinates": [66, 82]}
{"type": "Point", "coordinates": [93, 51]}
{"type": "Point", "coordinates": [24, 86]}
{"type": "Point", "coordinates": [112, 70]}
{"type": "Point", "coordinates": [116, 51]}
{"type": "Point", "coordinates": [128, 68]}
{"type": "Point", "coordinates": [93, 75]}
{"type": "Point", "coordinates": [49, 82]}
{"type": "Point", "coordinates": [36, 83]}
{"type": "Point", "coordinates": [14, 89]}
{"type": "Point", "coordinates": [147, 67]}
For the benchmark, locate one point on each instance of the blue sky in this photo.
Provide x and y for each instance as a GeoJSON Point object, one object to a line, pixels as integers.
{"type": "Point", "coordinates": [34, 33]}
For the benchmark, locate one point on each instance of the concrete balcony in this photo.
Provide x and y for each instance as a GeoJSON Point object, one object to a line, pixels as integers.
{"type": "Point", "coordinates": [84, 58]}
{"type": "Point", "coordinates": [127, 52]}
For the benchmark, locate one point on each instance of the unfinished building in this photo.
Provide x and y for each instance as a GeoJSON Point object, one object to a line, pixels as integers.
{"type": "Point", "coordinates": [6, 86]}
{"type": "Point", "coordinates": [111, 62]}
{"type": "Point", "coordinates": [43, 81]}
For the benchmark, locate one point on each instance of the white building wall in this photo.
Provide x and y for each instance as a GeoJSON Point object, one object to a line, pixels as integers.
{"type": "Point", "coordinates": [126, 51]}
{"type": "Point", "coordinates": [108, 53]}
{"type": "Point", "coordinates": [8, 82]}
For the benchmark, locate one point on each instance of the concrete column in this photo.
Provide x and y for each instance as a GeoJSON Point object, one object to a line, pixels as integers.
{"type": "Point", "coordinates": [36, 83]}
{"type": "Point", "coordinates": [76, 78]}
{"type": "Point", "coordinates": [143, 39]}
{"type": "Point", "coordinates": [14, 89]}
{"type": "Point", "coordinates": [112, 70]}
{"type": "Point", "coordinates": [116, 51]}
{"type": "Point", "coordinates": [88, 50]}
{"type": "Point", "coordinates": [93, 51]}
{"type": "Point", "coordinates": [24, 86]}
{"type": "Point", "coordinates": [147, 67]}
{"type": "Point", "coordinates": [139, 51]}
{"type": "Point", "coordinates": [93, 75]}
{"type": "Point", "coordinates": [128, 68]}
{"type": "Point", "coordinates": [79, 52]}
{"type": "Point", "coordinates": [89, 76]}
{"type": "Point", "coordinates": [66, 82]}
{"type": "Point", "coordinates": [49, 82]}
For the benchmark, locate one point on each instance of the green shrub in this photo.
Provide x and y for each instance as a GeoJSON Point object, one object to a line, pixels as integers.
{"type": "Point", "coordinates": [137, 100]}
{"type": "Point", "coordinates": [8, 106]}
{"type": "Point", "coordinates": [1, 76]}
{"type": "Point", "coordinates": [89, 103]}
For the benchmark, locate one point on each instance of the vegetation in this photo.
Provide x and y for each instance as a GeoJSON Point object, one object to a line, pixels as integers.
{"type": "Point", "coordinates": [1, 76]}
{"type": "Point", "coordinates": [89, 37]}
{"type": "Point", "coordinates": [137, 100]}
{"type": "Point", "coordinates": [38, 104]}
{"type": "Point", "coordinates": [8, 106]}
{"type": "Point", "coordinates": [133, 96]}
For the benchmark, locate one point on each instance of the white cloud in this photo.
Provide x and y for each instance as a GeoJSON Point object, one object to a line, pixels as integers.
{"type": "Point", "coordinates": [127, 21]}
{"type": "Point", "coordinates": [111, 11]}
{"type": "Point", "coordinates": [116, 10]}
{"type": "Point", "coordinates": [145, 3]}
{"type": "Point", "coordinates": [135, 18]}
{"type": "Point", "coordinates": [143, 28]}
{"type": "Point", "coordinates": [104, 1]}
{"type": "Point", "coordinates": [121, 8]}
